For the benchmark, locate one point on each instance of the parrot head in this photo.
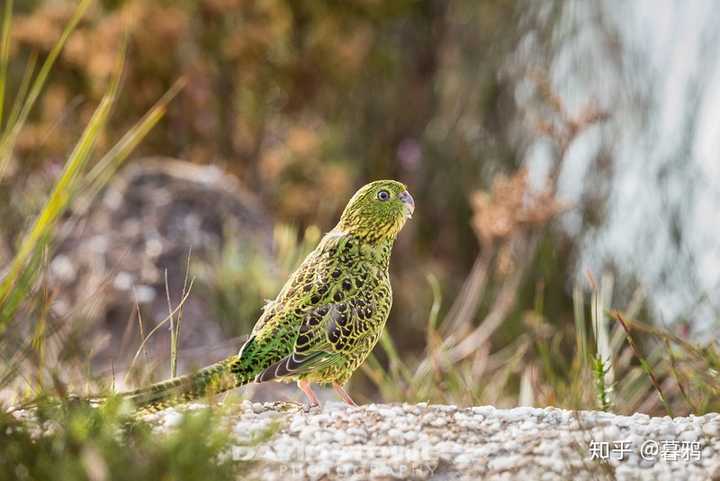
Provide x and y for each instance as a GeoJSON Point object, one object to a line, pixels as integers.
{"type": "Point", "coordinates": [378, 211]}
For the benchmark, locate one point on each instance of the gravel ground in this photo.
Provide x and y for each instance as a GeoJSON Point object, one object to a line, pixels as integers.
{"type": "Point", "coordinates": [437, 442]}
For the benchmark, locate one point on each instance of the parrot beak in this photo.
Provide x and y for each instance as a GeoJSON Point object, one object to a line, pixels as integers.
{"type": "Point", "coordinates": [408, 202]}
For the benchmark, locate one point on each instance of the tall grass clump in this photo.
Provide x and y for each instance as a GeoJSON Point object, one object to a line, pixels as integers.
{"type": "Point", "coordinates": [75, 441]}
{"type": "Point", "coordinates": [631, 367]}
{"type": "Point", "coordinates": [20, 294]}
{"type": "Point", "coordinates": [46, 431]}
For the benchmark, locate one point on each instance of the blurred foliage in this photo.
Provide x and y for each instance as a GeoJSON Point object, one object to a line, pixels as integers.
{"type": "Point", "coordinates": [300, 99]}
{"type": "Point", "coordinates": [81, 442]}
{"type": "Point", "coordinates": [239, 278]}
{"type": "Point", "coordinates": [24, 297]}
{"type": "Point", "coordinates": [305, 101]}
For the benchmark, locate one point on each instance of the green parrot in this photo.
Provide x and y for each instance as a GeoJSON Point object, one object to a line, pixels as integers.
{"type": "Point", "coordinates": [326, 319]}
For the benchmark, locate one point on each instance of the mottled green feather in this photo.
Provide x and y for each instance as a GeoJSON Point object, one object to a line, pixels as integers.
{"type": "Point", "coordinates": [328, 316]}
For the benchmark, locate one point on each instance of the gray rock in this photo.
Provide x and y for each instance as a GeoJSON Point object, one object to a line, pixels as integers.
{"type": "Point", "coordinates": [434, 442]}
{"type": "Point", "coordinates": [113, 255]}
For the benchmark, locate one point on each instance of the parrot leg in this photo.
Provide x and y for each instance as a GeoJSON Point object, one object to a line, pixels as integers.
{"type": "Point", "coordinates": [344, 395]}
{"type": "Point", "coordinates": [312, 398]}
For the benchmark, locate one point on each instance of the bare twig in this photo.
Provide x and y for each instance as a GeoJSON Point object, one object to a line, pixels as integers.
{"type": "Point", "coordinates": [173, 340]}
{"type": "Point", "coordinates": [643, 361]}
{"type": "Point", "coordinates": [140, 323]}
{"type": "Point", "coordinates": [186, 284]}
{"type": "Point", "coordinates": [501, 308]}
{"type": "Point", "coordinates": [160, 324]}
{"type": "Point", "coordinates": [460, 316]}
{"type": "Point", "coordinates": [175, 326]}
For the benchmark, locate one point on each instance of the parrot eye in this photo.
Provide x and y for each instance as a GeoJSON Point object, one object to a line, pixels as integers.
{"type": "Point", "coordinates": [383, 195]}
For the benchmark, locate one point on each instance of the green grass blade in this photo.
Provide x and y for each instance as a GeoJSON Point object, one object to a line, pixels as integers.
{"type": "Point", "coordinates": [59, 198]}
{"type": "Point", "coordinates": [110, 162]}
{"type": "Point", "coordinates": [7, 142]}
{"type": "Point", "coordinates": [581, 337]}
{"type": "Point", "coordinates": [24, 282]}
{"type": "Point", "coordinates": [4, 53]}
{"type": "Point", "coordinates": [21, 93]}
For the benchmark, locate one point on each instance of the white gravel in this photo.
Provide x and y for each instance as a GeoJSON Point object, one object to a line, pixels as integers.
{"type": "Point", "coordinates": [437, 442]}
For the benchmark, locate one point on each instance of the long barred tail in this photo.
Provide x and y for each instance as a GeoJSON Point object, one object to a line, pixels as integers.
{"type": "Point", "coordinates": [216, 378]}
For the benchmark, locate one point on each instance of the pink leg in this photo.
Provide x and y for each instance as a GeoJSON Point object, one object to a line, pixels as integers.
{"type": "Point", "coordinates": [345, 396]}
{"type": "Point", "coordinates": [312, 398]}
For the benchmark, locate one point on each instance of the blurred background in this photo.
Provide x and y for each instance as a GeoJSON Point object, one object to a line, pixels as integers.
{"type": "Point", "coordinates": [562, 154]}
